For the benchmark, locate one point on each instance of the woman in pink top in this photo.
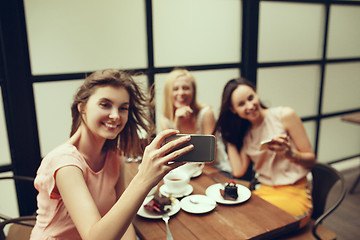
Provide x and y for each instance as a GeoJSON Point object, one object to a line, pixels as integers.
{"type": "Point", "coordinates": [81, 183]}
{"type": "Point", "coordinates": [283, 163]}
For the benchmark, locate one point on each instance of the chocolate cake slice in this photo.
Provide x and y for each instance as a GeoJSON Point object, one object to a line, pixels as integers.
{"type": "Point", "coordinates": [230, 192]}
{"type": "Point", "coordinates": [159, 204]}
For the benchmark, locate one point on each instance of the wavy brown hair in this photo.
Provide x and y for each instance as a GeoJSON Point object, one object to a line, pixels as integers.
{"type": "Point", "coordinates": [128, 141]}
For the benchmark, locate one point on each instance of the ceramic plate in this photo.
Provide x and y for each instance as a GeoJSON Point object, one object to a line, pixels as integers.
{"type": "Point", "coordinates": [188, 190]}
{"type": "Point", "coordinates": [214, 192]}
{"type": "Point", "coordinates": [197, 204]}
{"type": "Point", "coordinates": [197, 173]}
{"type": "Point", "coordinates": [143, 213]}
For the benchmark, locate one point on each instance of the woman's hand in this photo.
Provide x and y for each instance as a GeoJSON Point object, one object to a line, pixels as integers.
{"type": "Point", "coordinates": [156, 163]}
{"type": "Point", "coordinates": [183, 112]}
{"type": "Point", "coordinates": [279, 144]}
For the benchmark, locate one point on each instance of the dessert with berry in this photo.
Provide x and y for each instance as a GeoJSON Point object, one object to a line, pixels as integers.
{"type": "Point", "coordinates": [159, 204]}
{"type": "Point", "coordinates": [230, 192]}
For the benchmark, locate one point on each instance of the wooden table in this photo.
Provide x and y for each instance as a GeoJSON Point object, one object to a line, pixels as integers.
{"type": "Point", "coordinates": [253, 219]}
{"type": "Point", "coordinates": [353, 118]}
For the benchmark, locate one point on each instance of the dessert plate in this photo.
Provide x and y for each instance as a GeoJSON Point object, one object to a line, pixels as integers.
{"type": "Point", "coordinates": [214, 193]}
{"type": "Point", "coordinates": [143, 213]}
{"type": "Point", "coordinates": [188, 190]}
{"type": "Point", "coordinates": [197, 204]}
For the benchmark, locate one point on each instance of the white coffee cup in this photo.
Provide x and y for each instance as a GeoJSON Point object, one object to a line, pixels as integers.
{"type": "Point", "coordinates": [191, 168]}
{"type": "Point", "coordinates": [176, 182]}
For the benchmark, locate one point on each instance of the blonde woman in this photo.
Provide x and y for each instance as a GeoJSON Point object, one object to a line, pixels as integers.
{"type": "Point", "coordinates": [181, 111]}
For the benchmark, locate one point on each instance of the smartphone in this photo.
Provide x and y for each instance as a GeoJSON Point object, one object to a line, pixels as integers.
{"type": "Point", "coordinates": [204, 148]}
{"type": "Point", "coordinates": [264, 144]}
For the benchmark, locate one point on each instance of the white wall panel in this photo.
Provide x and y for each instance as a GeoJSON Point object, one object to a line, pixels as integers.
{"type": "Point", "coordinates": [296, 87]}
{"type": "Point", "coordinates": [85, 35]}
{"type": "Point", "coordinates": [188, 32]}
{"type": "Point", "coordinates": [210, 85]}
{"type": "Point", "coordinates": [341, 87]}
{"type": "Point", "coordinates": [8, 200]}
{"type": "Point", "coordinates": [4, 143]}
{"type": "Point", "coordinates": [338, 139]}
{"type": "Point", "coordinates": [290, 31]}
{"type": "Point", "coordinates": [344, 32]}
{"type": "Point", "coordinates": [53, 102]}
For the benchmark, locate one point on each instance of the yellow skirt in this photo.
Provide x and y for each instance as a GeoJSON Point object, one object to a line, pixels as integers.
{"type": "Point", "coordinates": [294, 199]}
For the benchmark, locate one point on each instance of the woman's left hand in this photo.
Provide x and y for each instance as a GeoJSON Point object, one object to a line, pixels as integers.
{"type": "Point", "coordinates": [280, 144]}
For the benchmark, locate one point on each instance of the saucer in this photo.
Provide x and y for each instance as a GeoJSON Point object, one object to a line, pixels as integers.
{"type": "Point", "coordinates": [214, 193]}
{"type": "Point", "coordinates": [188, 190]}
{"type": "Point", "coordinates": [197, 173]}
{"type": "Point", "coordinates": [197, 204]}
{"type": "Point", "coordinates": [143, 213]}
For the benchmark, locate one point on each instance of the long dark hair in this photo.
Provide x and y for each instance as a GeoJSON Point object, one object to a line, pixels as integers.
{"type": "Point", "coordinates": [233, 128]}
{"type": "Point", "coordinates": [128, 140]}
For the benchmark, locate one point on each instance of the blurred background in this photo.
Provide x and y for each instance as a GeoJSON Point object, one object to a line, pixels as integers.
{"type": "Point", "coordinates": [302, 54]}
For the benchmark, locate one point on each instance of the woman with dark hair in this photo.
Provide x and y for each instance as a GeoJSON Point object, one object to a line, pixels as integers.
{"type": "Point", "coordinates": [283, 162]}
{"type": "Point", "coordinates": [81, 182]}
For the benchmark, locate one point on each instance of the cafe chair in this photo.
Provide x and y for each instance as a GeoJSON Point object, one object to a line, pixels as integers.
{"type": "Point", "coordinates": [324, 177]}
{"type": "Point", "coordinates": [17, 228]}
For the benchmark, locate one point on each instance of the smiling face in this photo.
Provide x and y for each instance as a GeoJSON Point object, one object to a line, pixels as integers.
{"type": "Point", "coordinates": [183, 92]}
{"type": "Point", "coordinates": [246, 104]}
{"type": "Point", "coordinates": [106, 111]}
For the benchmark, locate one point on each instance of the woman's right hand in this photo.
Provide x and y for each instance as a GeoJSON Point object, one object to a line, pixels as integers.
{"type": "Point", "coordinates": [183, 112]}
{"type": "Point", "coordinates": [156, 163]}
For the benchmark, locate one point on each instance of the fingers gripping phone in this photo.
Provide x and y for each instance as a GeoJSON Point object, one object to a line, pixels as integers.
{"type": "Point", "coordinates": [204, 148]}
{"type": "Point", "coordinates": [264, 144]}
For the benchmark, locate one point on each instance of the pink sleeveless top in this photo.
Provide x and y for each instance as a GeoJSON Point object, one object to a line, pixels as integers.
{"type": "Point", "coordinates": [53, 220]}
{"type": "Point", "coordinates": [272, 168]}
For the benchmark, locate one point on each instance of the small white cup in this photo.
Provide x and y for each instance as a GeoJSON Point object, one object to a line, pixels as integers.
{"type": "Point", "coordinates": [176, 181]}
{"type": "Point", "coordinates": [191, 168]}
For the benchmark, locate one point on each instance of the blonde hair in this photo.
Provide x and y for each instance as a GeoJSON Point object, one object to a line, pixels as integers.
{"type": "Point", "coordinates": [168, 106]}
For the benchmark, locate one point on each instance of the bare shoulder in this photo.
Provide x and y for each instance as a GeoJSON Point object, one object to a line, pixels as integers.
{"type": "Point", "coordinates": [288, 113]}
{"type": "Point", "coordinates": [164, 123]}
{"type": "Point", "coordinates": [289, 118]}
{"type": "Point", "coordinates": [208, 116]}
{"type": "Point", "coordinates": [209, 113]}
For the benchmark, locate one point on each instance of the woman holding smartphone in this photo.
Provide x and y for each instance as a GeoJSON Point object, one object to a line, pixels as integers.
{"type": "Point", "coordinates": [81, 186]}
{"type": "Point", "coordinates": [286, 160]}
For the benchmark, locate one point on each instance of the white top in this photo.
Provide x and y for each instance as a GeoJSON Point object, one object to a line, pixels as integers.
{"type": "Point", "coordinates": [273, 169]}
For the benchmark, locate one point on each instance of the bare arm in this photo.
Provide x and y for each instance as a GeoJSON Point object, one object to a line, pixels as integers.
{"type": "Point", "coordinates": [120, 188]}
{"type": "Point", "coordinates": [116, 221]}
{"type": "Point", "coordinates": [208, 122]}
{"type": "Point", "coordinates": [303, 154]}
{"type": "Point", "coordinates": [163, 123]}
{"type": "Point", "coordinates": [182, 114]}
{"type": "Point", "coordinates": [238, 160]}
